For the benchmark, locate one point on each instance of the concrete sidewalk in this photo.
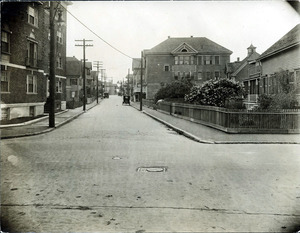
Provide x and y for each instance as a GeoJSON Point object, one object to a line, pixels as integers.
{"type": "Point", "coordinates": [205, 134]}
{"type": "Point", "coordinates": [189, 129]}
{"type": "Point", "coordinates": [41, 125]}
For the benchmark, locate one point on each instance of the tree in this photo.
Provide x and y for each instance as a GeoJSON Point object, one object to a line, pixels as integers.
{"type": "Point", "coordinates": [215, 92]}
{"type": "Point", "coordinates": [176, 89]}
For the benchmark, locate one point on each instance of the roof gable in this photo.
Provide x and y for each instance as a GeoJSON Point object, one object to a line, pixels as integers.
{"type": "Point", "coordinates": [290, 39]}
{"type": "Point", "coordinates": [184, 48]}
{"type": "Point", "coordinates": [199, 44]}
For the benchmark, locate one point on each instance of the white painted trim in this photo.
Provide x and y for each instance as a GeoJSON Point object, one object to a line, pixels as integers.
{"type": "Point", "coordinates": [22, 105]}
{"type": "Point", "coordinates": [19, 67]}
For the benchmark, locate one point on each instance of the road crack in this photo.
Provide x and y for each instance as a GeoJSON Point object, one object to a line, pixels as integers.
{"type": "Point", "coordinates": [206, 208]}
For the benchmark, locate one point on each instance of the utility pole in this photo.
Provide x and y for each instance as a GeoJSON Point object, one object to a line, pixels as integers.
{"type": "Point", "coordinates": [52, 69]}
{"type": "Point", "coordinates": [98, 65]}
{"type": "Point", "coordinates": [102, 81]}
{"type": "Point", "coordinates": [84, 78]}
{"type": "Point", "coordinates": [128, 82]}
{"type": "Point", "coordinates": [141, 93]}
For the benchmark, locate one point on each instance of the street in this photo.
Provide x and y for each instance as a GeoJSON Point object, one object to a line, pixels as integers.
{"type": "Point", "coordinates": [114, 169]}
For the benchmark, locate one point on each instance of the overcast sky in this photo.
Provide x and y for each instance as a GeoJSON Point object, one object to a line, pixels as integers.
{"type": "Point", "coordinates": [137, 25]}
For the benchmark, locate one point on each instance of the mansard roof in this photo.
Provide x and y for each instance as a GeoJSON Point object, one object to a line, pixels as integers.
{"type": "Point", "coordinates": [199, 44]}
{"type": "Point", "coordinates": [292, 38]}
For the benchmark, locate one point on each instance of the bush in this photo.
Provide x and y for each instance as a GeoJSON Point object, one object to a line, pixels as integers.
{"type": "Point", "coordinates": [215, 92]}
{"type": "Point", "coordinates": [177, 89]}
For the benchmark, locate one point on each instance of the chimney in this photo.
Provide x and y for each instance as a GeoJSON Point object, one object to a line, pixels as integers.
{"type": "Point", "coordinates": [169, 37]}
{"type": "Point", "coordinates": [192, 36]}
{"type": "Point", "coordinates": [238, 59]}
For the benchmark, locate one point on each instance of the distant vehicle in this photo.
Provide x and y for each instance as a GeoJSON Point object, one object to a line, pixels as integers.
{"type": "Point", "coordinates": [105, 95]}
{"type": "Point", "coordinates": [126, 99]}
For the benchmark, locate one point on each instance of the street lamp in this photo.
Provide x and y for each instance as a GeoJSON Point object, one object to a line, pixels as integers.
{"type": "Point", "coordinates": [52, 81]}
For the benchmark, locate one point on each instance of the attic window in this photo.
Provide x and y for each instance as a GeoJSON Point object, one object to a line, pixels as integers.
{"type": "Point", "coordinates": [184, 50]}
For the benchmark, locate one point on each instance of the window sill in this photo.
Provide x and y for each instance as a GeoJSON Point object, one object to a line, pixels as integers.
{"type": "Point", "coordinates": [5, 92]}
{"type": "Point", "coordinates": [30, 93]}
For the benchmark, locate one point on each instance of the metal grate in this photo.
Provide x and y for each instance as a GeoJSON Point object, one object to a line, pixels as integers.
{"type": "Point", "coordinates": [152, 169]}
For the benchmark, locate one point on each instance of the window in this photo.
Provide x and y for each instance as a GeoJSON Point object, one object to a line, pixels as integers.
{"type": "Point", "coordinates": [58, 86]}
{"type": "Point", "coordinates": [208, 60]}
{"type": "Point", "coordinates": [31, 59]}
{"type": "Point", "coordinates": [217, 60]}
{"type": "Point", "coordinates": [31, 84]}
{"type": "Point", "coordinates": [4, 81]}
{"type": "Point", "coordinates": [192, 60]}
{"type": "Point", "coordinates": [176, 61]}
{"type": "Point", "coordinates": [200, 60]}
{"type": "Point", "coordinates": [73, 81]}
{"type": "Point", "coordinates": [5, 42]}
{"type": "Point", "coordinates": [176, 75]}
{"type": "Point", "coordinates": [208, 75]}
{"type": "Point", "coordinates": [217, 74]}
{"type": "Point", "coordinates": [32, 16]}
{"type": "Point", "coordinates": [59, 61]}
{"type": "Point", "coordinates": [167, 68]}
{"type": "Point", "coordinates": [199, 76]}
{"type": "Point", "coordinates": [59, 37]}
{"type": "Point", "coordinates": [180, 60]}
{"type": "Point", "coordinates": [186, 60]}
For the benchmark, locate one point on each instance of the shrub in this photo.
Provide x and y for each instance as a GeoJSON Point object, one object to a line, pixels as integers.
{"type": "Point", "coordinates": [177, 89]}
{"type": "Point", "coordinates": [215, 92]}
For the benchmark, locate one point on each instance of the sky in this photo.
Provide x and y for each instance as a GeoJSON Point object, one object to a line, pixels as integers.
{"type": "Point", "coordinates": [132, 26]}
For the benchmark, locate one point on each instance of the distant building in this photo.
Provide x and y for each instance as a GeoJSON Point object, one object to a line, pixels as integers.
{"type": "Point", "coordinates": [25, 47]}
{"type": "Point", "coordinates": [197, 59]}
{"type": "Point", "coordinates": [247, 73]}
{"type": "Point", "coordinates": [136, 69]}
{"type": "Point", "coordinates": [74, 82]}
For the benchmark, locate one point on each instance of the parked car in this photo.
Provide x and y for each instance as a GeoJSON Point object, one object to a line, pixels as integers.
{"type": "Point", "coordinates": [106, 95]}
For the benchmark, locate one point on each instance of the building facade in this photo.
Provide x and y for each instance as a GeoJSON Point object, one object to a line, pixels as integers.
{"type": "Point", "coordinates": [284, 55]}
{"type": "Point", "coordinates": [247, 73]}
{"type": "Point", "coordinates": [25, 44]}
{"type": "Point", "coordinates": [196, 59]}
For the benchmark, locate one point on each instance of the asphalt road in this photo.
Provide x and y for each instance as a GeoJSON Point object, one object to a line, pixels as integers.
{"type": "Point", "coordinates": [114, 169]}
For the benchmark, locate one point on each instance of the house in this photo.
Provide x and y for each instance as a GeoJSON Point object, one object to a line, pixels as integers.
{"type": "Point", "coordinates": [196, 59]}
{"type": "Point", "coordinates": [284, 55]}
{"type": "Point", "coordinates": [136, 69]}
{"type": "Point", "coordinates": [25, 46]}
{"type": "Point", "coordinates": [74, 82]}
{"type": "Point", "coordinates": [247, 73]}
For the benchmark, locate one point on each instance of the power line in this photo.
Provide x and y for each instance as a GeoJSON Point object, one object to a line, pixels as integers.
{"type": "Point", "coordinates": [97, 34]}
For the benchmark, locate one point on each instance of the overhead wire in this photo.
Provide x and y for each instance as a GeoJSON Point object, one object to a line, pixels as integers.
{"type": "Point", "coordinates": [96, 34]}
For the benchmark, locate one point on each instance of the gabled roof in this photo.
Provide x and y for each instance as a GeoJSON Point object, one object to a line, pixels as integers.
{"type": "Point", "coordinates": [200, 44]}
{"type": "Point", "coordinates": [236, 67]}
{"type": "Point", "coordinates": [73, 67]}
{"type": "Point", "coordinates": [292, 38]}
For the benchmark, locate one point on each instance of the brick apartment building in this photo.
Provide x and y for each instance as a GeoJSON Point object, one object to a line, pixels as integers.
{"type": "Point", "coordinates": [25, 58]}
{"type": "Point", "coordinates": [197, 59]}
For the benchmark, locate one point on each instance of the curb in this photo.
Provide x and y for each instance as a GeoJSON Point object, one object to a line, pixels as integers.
{"type": "Point", "coordinates": [197, 139]}
{"type": "Point", "coordinates": [180, 131]}
{"type": "Point", "coordinates": [49, 129]}
{"type": "Point", "coordinates": [30, 122]}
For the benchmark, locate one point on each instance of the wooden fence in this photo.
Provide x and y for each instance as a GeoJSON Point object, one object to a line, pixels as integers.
{"type": "Point", "coordinates": [234, 121]}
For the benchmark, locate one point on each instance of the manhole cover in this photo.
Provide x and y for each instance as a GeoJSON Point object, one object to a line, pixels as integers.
{"type": "Point", "coordinates": [152, 169]}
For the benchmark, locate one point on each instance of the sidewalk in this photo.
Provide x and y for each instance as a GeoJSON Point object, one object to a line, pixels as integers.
{"type": "Point", "coordinates": [197, 132]}
{"type": "Point", "coordinates": [41, 125]}
{"type": "Point", "coordinates": [205, 134]}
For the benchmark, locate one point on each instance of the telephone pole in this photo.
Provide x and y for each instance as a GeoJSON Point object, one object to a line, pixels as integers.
{"type": "Point", "coordinates": [102, 82]}
{"type": "Point", "coordinates": [98, 64]}
{"type": "Point", "coordinates": [141, 93]}
{"type": "Point", "coordinates": [83, 74]}
{"type": "Point", "coordinates": [128, 92]}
